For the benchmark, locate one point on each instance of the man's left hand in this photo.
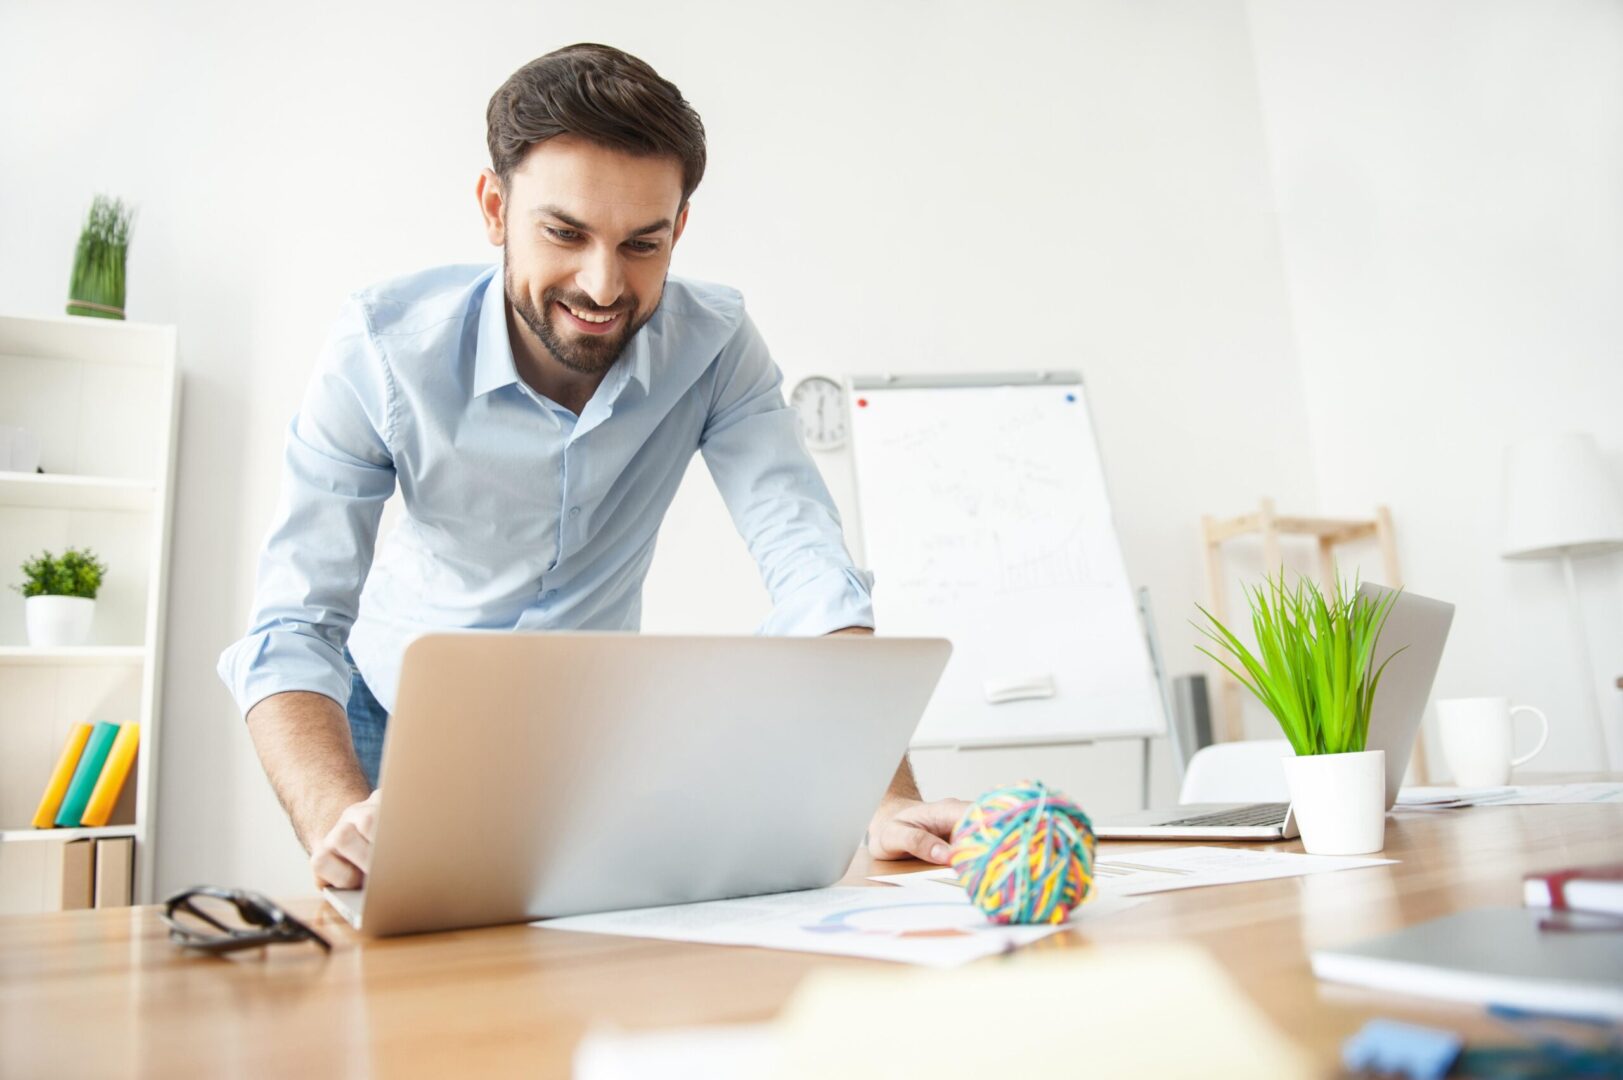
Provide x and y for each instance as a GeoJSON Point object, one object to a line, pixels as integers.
{"type": "Point", "coordinates": [910, 829]}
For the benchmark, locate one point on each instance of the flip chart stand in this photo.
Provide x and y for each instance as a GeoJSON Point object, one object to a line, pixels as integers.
{"type": "Point", "coordinates": [984, 508]}
{"type": "Point", "coordinates": [1180, 753]}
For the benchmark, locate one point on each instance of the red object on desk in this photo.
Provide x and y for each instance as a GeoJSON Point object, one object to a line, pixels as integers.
{"type": "Point", "coordinates": [1593, 888]}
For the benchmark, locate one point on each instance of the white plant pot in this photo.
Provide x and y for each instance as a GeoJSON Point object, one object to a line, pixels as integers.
{"type": "Point", "coordinates": [1339, 801]}
{"type": "Point", "coordinates": [58, 620]}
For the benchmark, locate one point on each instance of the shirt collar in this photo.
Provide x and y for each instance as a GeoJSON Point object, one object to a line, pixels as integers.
{"type": "Point", "coordinates": [493, 366]}
{"type": "Point", "coordinates": [638, 356]}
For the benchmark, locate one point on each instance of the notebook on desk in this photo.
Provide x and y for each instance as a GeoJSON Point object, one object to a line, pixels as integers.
{"type": "Point", "coordinates": [1415, 625]}
{"type": "Point", "coordinates": [1491, 956]}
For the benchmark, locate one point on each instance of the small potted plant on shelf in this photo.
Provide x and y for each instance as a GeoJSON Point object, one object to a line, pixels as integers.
{"type": "Point", "coordinates": [60, 596]}
{"type": "Point", "coordinates": [1315, 670]}
{"type": "Point", "coordinates": [97, 286]}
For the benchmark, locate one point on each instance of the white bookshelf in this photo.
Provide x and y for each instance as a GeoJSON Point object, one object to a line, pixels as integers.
{"type": "Point", "coordinates": [103, 396]}
{"type": "Point", "coordinates": [51, 836]}
{"type": "Point", "coordinates": [77, 656]}
{"type": "Point", "coordinates": [76, 492]}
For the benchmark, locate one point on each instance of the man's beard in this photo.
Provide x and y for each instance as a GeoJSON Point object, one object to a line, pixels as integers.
{"type": "Point", "coordinates": [584, 354]}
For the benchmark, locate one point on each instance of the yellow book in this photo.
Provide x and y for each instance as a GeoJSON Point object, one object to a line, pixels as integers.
{"type": "Point", "coordinates": [113, 774]}
{"type": "Point", "coordinates": [51, 801]}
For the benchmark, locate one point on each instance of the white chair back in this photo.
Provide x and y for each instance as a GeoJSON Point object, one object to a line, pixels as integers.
{"type": "Point", "coordinates": [1237, 772]}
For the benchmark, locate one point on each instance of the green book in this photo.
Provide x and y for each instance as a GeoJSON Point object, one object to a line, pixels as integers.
{"type": "Point", "coordinates": [86, 775]}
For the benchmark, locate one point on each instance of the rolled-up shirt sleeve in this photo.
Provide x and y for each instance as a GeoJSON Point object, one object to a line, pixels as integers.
{"type": "Point", "coordinates": [778, 501]}
{"type": "Point", "coordinates": [338, 471]}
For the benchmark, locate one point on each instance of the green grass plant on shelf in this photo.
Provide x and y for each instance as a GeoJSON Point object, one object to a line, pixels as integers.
{"type": "Point", "coordinates": [1315, 669]}
{"type": "Point", "coordinates": [97, 288]}
{"type": "Point", "coordinates": [60, 596]}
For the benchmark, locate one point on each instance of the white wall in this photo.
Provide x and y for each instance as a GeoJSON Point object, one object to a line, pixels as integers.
{"type": "Point", "coordinates": [1099, 165]}
{"type": "Point", "coordinates": [1449, 179]}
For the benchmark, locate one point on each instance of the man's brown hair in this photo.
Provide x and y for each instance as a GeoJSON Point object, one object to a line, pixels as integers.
{"type": "Point", "coordinates": [601, 94]}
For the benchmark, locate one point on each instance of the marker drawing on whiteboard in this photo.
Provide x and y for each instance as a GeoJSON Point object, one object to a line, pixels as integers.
{"type": "Point", "coordinates": [1024, 688]}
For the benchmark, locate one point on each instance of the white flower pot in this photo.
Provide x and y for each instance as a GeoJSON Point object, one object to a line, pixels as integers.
{"type": "Point", "coordinates": [58, 620]}
{"type": "Point", "coordinates": [1339, 801]}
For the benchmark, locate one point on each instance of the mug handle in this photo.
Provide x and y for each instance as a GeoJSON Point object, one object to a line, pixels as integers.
{"type": "Point", "coordinates": [1542, 739]}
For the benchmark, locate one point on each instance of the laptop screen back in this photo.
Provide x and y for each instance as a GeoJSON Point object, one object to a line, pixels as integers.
{"type": "Point", "coordinates": [1418, 626]}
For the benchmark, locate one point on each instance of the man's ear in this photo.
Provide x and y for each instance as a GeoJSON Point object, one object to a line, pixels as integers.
{"type": "Point", "coordinates": [492, 202]}
{"type": "Point", "coordinates": [681, 223]}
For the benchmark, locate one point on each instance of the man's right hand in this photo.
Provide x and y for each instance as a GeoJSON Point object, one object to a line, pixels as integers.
{"type": "Point", "coordinates": [344, 856]}
{"type": "Point", "coordinates": [304, 741]}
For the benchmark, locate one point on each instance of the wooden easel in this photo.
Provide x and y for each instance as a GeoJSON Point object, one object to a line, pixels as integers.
{"type": "Point", "coordinates": [1329, 532]}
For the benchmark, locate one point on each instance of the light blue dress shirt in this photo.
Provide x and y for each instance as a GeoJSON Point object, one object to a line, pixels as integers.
{"type": "Point", "coordinates": [519, 514]}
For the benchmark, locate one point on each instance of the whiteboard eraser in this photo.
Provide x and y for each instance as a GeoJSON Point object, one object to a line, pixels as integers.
{"type": "Point", "coordinates": [999, 691]}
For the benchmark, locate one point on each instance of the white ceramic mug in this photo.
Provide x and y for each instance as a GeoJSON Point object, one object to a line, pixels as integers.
{"type": "Point", "coordinates": [1479, 739]}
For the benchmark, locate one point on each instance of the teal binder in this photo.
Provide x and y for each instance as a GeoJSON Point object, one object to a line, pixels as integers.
{"type": "Point", "coordinates": [86, 775]}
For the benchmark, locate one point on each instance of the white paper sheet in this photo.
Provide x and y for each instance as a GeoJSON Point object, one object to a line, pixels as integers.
{"type": "Point", "coordinates": [940, 930]}
{"type": "Point", "coordinates": [843, 1021]}
{"type": "Point", "coordinates": [1144, 871]}
{"type": "Point", "coordinates": [1152, 1011]}
{"type": "Point", "coordinates": [1440, 798]}
{"type": "Point", "coordinates": [723, 1052]}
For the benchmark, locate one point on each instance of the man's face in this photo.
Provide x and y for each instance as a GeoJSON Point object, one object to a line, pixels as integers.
{"type": "Point", "coordinates": [586, 235]}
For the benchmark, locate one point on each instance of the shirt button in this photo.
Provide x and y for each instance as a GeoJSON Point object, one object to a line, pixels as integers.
{"type": "Point", "coordinates": [549, 594]}
{"type": "Point", "coordinates": [574, 511]}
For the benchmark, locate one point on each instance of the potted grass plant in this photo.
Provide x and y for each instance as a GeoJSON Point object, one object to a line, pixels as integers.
{"type": "Point", "coordinates": [1314, 668]}
{"type": "Point", "coordinates": [60, 596]}
{"type": "Point", "coordinates": [97, 286]}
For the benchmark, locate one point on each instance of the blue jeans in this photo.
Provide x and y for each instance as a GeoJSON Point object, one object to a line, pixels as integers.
{"type": "Point", "coordinates": [367, 720]}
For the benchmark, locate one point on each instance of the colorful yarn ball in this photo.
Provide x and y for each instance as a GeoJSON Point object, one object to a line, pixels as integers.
{"type": "Point", "coordinates": [1024, 854]}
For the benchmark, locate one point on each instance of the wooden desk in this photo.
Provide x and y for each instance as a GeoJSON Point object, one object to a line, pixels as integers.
{"type": "Point", "coordinates": [104, 992]}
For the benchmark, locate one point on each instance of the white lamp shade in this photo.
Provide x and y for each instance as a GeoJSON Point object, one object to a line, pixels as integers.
{"type": "Point", "coordinates": [1560, 499]}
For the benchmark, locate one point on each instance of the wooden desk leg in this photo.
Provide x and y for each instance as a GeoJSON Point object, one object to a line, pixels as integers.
{"type": "Point", "coordinates": [1327, 565]}
{"type": "Point", "coordinates": [1273, 560]}
{"type": "Point", "coordinates": [1422, 770]}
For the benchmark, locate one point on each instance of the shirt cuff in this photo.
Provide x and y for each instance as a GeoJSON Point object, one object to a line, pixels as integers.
{"type": "Point", "coordinates": [276, 661]}
{"type": "Point", "coordinates": [833, 599]}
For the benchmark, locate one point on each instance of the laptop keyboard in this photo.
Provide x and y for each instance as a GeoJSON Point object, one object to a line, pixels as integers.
{"type": "Point", "coordinates": [1255, 814]}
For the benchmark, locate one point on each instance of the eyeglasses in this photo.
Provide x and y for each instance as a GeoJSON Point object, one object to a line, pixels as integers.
{"type": "Point", "coordinates": [215, 920]}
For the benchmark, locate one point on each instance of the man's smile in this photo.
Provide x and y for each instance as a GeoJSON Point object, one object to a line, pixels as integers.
{"type": "Point", "coordinates": [590, 322]}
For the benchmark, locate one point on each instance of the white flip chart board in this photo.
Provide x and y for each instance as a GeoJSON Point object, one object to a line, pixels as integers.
{"type": "Point", "coordinates": [985, 521]}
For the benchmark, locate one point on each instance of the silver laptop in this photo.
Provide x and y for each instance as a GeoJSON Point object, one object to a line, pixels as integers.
{"type": "Point", "coordinates": [1417, 626]}
{"type": "Point", "coordinates": [538, 774]}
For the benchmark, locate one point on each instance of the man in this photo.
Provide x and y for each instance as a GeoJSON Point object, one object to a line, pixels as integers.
{"type": "Point", "coordinates": [538, 422]}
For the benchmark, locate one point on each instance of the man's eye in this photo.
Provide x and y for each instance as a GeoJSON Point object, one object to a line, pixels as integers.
{"type": "Point", "coordinates": [642, 247]}
{"type": "Point", "coordinates": [563, 235]}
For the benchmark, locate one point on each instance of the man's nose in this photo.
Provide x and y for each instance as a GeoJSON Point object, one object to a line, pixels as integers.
{"type": "Point", "coordinates": [602, 278]}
